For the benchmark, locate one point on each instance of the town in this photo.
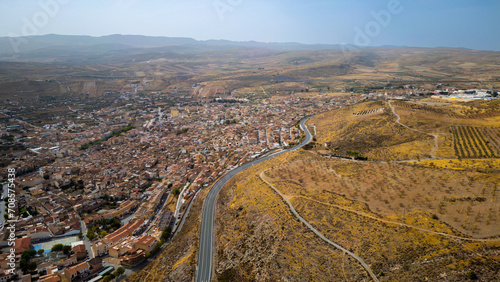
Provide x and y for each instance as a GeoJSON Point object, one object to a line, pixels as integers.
{"type": "Point", "coordinates": [101, 197]}
{"type": "Point", "coordinates": [98, 195]}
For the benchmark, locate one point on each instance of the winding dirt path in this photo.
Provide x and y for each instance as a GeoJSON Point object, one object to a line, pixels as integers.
{"type": "Point", "coordinates": [360, 260]}
{"type": "Point", "coordinates": [420, 131]}
{"type": "Point", "coordinates": [394, 222]}
{"type": "Point", "coordinates": [290, 197]}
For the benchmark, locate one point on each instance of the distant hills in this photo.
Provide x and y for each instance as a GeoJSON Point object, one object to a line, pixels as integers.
{"type": "Point", "coordinates": [59, 46]}
{"type": "Point", "coordinates": [228, 66]}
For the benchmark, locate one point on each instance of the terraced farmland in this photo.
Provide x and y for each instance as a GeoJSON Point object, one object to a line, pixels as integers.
{"type": "Point", "coordinates": [368, 112]}
{"type": "Point", "coordinates": [474, 142]}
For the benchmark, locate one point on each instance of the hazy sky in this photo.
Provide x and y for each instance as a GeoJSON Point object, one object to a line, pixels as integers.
{"type": "Point", "coordinates": [453, 23]}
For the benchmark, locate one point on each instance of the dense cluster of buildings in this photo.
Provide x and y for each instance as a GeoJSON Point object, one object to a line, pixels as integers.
{"type": "Point", "coordinates": [65, 189]}
{"type": "Point", "coordinates": [466, 95]}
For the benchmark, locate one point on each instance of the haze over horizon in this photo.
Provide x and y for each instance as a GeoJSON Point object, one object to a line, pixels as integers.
{"type": "Point", "coordinates": [426, 23]}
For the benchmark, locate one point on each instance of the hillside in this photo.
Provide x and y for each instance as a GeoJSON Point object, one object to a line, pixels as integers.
{"type": "Point", "coordinates": [430, 220]}
{"type": "Point", "coordinates": [409, 185]}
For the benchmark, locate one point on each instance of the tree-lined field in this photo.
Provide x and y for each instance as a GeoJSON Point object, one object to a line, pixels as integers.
{"type": "Point", "coordinates": [387, 189]}
{"type": "Point", "coordinates": [405, 221]}
{"type": "Point", "coordinates": [470, 142]}
{"type": "Point", "coordinates": [492, 136]}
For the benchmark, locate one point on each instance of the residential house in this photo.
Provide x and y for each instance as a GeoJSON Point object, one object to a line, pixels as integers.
{"type": "Point", "coordinates": [78, 271]}
{"type": "Point", "coordinates": [39, 233]}
{"type": "Point", "coordinates": [146, 243]}
{"type": "Point", "coordinates": [22, 244]}
{"type": "Point", "coordinates": [80, 252]}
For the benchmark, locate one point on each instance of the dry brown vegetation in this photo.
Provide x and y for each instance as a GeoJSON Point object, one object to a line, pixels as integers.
{"type": "Point", "coordinates": [462, 199]}
{"type": "Point", "coordinates": [258, 239]}
{"type": "Point", "coordinates": [360, 206]}
{"type": "Point", "coordinates": [245, 70]}
{"type": "Point", "coordinates": [431, 220]}
{"type": "Point", "coordinates": [378, 137]}
{"type": "Point", "coordinates": [374, 135]}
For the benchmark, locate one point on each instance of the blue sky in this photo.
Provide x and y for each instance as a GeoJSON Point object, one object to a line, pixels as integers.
{"type": "Point", "coordinates": [429, 23]}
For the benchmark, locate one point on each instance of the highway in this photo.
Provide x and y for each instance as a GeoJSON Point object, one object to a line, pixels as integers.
{"type": "Point", "coordinates": [205, 255]}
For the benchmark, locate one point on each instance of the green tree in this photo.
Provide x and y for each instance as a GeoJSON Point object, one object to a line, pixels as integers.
{"type": "Point", "coordinates": [166, 233]}
{"type": "Point", "coordinates": [41, 251]}
{"type": "Point", "coordinates": [57, 247]}
{"type": "Point", "coordinates": [120, 271]}
{"type": "Point", "coordinates": [32, 266]}
{"type": "Point", "coordinates": [177, 191]}
{"type": "Point", "coordinates": [25, 261]}
{"type": "Point", "coordinates": [46, 176]}
{"type": "Point", "coordinates": [66, 249]}
{"type": "Point", "coordinates": [27, 255]}
{"type": "Point", "coordinates": [103, 233]}
{"type": "Point", "coordinates": [91, 234]}
{"type": "Point", "coordinates": [24, 265]}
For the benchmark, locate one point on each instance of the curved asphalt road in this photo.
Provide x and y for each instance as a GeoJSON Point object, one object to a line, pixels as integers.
{"type": "Point", "coordinates": [204, 269]}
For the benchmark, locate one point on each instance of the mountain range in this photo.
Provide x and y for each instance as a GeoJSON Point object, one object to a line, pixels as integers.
{"type": "Point", "coordinates": [61, 46]}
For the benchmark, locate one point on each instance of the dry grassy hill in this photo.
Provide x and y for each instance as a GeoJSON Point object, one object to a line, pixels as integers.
{"type": "Point", "coordinates": [359, 206]}
{"type": "Point", "coordinates": [463, 130]}
{"type": "Point", "coordinates": [435, 220]}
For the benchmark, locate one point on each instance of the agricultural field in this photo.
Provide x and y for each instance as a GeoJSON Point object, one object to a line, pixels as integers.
{"type": "Point", "coordinates": [406, 221]}
{"type": "Point", "coordinates": [370, 130]}
{"type": "Point", "coordinates": [470, 142]}
{"type": "Point", "coordinates": [482, 165]}
{"type": "Point", "coordinates": [389, 189]}
{"type": "Point", "coordinates": [409, 215]}
{"type": "Point", "coordinates": [442, 112]}
{"type": "Point", "coordinates": [259, 240]}
{"type": "Point", "coordinates": [460, 135]}
{"type": "Point", "coordinates": [477, 109]}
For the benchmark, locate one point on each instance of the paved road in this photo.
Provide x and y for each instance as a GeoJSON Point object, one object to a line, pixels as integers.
{"type": "Point", "coordinates": [86, 241]}
{"type": "Point", "coordinates": [205, 256]}
{"type": "Point", "coordinates": [179, 201]}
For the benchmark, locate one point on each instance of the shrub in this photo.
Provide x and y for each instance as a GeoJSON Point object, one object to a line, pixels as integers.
{"type": "Point", "coordinates": [472, 275]}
